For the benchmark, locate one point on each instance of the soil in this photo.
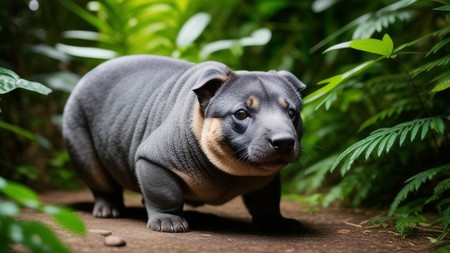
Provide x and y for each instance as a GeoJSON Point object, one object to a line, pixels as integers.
{"type": "Point", "coordinates": [227, 228]}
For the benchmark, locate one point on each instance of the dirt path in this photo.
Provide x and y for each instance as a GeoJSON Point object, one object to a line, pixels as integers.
{"type": "Point", "coordinates": [227, 228]}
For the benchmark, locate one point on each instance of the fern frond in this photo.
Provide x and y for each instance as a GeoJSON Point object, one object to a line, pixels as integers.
{"type": "Point", "coordinates": [395, 109]}
{"type": "Point", "coordinates": [446, 218]}
{"type": "Point", "coordinates": [441, 86]}
{"type": "Point", "coordinates": [384, 138]}
{"type": "Point", "coordinates": [378, 22]}
{"type": "Point", "coordinates": [439, 189]}
{"type": "Point", "coordinates": [438, 46]}
{"type": "Point", "coordinates": [431, 65]}
{"type": "Point", "coordinates": [406, 225]}
{"type": "Point", "coordinates": [413, 184]}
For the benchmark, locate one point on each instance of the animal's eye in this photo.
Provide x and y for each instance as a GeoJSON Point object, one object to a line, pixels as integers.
{"type": "Point", "coordinates": [292, 113]}
{"type": "Point", "coordinates": [241, 114]}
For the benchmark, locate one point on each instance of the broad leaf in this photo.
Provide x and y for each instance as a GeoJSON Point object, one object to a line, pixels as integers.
{"type": "Point", "coordinates": [87, 52]}
{"type": "Point", "coordinates": [66, 218]}
{"type": "Point", "coordinates": [192, 29]}
{"type": "Point", "coordinates": [10, 81]}
{"type": "Point", "coordinates": [334, 81]}
{"type": "Point", "coordinates": [257, 38]}
{"type": "Point", "coordinates": [383, 47]}
{"type": "Point", "coordinates": [37, 237]}
{"type": "Point", "coordinates": [19, 193]}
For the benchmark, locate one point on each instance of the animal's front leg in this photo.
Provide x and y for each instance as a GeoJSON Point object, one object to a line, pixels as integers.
{"type": "Point", "coordinates": [264, 206]}
{"type": "Point", "coordinates": [163, 197]}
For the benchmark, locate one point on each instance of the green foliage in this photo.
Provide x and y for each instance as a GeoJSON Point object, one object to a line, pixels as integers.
{"type": "Point", "coordinates": [10, 81]}
{"type": "Point", "coordinates": [148, 26]}
{"type": "Point", "coordinates": [32, 234]}
{"type": "Point", "coordinates": [414, 183]}
{"type": "Point", "coordinates": [394, 106]}
{"type": "Point", "coordinates": [407, 225]}
{"type": "Point", "coordinates": [384, 138]}
{"type": "Point", "coordinates": [388, 83]}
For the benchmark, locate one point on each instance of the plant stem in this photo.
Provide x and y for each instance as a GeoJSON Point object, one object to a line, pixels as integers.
{"type": "Point", "coordinates": [416, 91]}
{"type": "Point", "coordinates": [419, 99]}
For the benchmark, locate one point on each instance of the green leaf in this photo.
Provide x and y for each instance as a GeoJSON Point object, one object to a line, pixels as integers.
{"type": "Point", "coordinates": [438, 46]}
{"type": "Point", "coordinates": [415, 130]}
{"type": "Point", "coordinates": [425, 128]}
{"type": "Point", "coordinates": [406, 225]}
{"type": "Point", "coordinates": [384, 138]}
{"type": "Point", "coordinates": [403, 135]}
{"type": "Point", "coordinates": [391, 140]}
{"type": "Point", "coordinates": [10, 81]}
{"type": "Point", "coordinates": [27, 134]}
{"type": "Point", "coordinates": [87, 52]}
{"type": "Point", "coordinates": [438, 125]}
{"type": "Point", "coordinates": [19, 193]}
{"type": "Point", "coordinates": [338, 46]}
{"type": "Point", "coordinates": [8, 208]}
{"type": "Point", "coordinates": [86, 15]}
{"type": "Point", "coordinates": [9, 73]}
{"type": "Point", "coordinates": [192, 29]}
{"type": "Point", "coordinates": [440, 62]}
{"type": "Point", "coordinates": [383, 47]}
{"type": "Point", "coordinates": [382, 145]}
{"type": "Point", "coordinates": [334, 81]}
{"type": "Point", "coordinates": [258, 38]}
{"type": "Point", "coordinates": [66, 219]}
{"type": "Point", "coordinates": [372, 147]}
{"type": "Point", "coordinates": [442, 8]}
{"type": "Point", "coordinates": [439, 189]}
{"type": "Point", "coordinates": [37, 237]}
{"type": "Point", "coordinates": [441, 86]}
{"type": "Point", "coordinates": [413, 184]}
{"type": "Point", "coordinates": [49, 52]}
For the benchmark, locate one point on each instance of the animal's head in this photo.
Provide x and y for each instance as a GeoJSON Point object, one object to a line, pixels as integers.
{"type": "Point", "coordinates": [248, 123]}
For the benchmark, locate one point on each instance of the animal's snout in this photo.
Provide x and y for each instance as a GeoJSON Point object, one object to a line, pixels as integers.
{"type": "Point", "coordinates": [282, 142]}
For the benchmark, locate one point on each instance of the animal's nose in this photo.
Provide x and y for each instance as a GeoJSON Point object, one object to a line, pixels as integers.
{"type": "Point", "coordinates": [282, 143]}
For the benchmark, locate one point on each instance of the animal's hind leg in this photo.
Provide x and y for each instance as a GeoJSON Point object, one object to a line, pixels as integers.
{"type": "Point", "coordinates": [107, 192]}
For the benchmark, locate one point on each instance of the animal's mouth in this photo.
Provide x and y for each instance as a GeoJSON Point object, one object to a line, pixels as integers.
{"type": "Point", "coordinates": [268, 162]}
{"type": "Point", "coordinates": [275, 165]}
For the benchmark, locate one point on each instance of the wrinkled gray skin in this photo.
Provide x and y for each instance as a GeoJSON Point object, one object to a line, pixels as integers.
{"type": "Point", "coordinates": [130, 123]}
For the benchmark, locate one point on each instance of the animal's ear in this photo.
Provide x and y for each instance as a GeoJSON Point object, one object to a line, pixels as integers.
{"type": "Point", "coordinates": [211, 79]}
{"type": "Point", "coordinates": [288, 76]}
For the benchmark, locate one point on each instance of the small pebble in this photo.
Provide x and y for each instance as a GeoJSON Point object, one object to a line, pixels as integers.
{"type": "Point", "coordinates": [114, 241]}
{"type": "Point", "coordinates": [101, 232]}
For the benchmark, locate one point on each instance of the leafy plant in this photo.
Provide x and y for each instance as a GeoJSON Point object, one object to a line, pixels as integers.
{"type": "Point", "coordinates": [10, 81]}
{"type": "Point", "coordinates": [398, 100]}
{"type": "Point", "coordinates": [32, 234]}
{"type": "Point", "coordinates": [152, 27]}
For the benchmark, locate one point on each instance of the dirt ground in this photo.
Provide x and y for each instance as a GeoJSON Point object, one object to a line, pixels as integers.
{"type": "Point", "coordinates": [227, 228]}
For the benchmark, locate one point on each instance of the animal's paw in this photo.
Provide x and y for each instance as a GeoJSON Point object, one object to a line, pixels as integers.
{"type": "Point", "coordinates": [106, 209]}
{"type": "Point", "coordinates": [280, 225]}
{"type": "Point", "coordinates": [170, 223]}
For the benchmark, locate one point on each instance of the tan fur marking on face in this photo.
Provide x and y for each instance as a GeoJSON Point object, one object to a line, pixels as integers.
{"type": "Point", "coordinates": [222, 156]}
{"type": "Point", "coordinates": [253, 102]}
{"type": "Point", "coordinates": [197, 121]}
{"type": "Point", "coordinates": [282, 101]}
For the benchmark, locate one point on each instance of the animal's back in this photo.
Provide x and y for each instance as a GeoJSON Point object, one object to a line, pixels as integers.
{"type": "Point", "coordinates": [120, 103]}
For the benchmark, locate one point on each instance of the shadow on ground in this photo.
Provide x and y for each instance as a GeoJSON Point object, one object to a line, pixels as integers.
{"type": "Point", "coordinates": [202, 221]}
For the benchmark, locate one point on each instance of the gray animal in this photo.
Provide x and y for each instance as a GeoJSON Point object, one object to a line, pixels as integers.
{"type": "Point", "coordinates": [181, 133]}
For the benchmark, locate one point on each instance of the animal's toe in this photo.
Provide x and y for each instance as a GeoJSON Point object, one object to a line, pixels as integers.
{"type": "Point", "coordinates": [168, 223]}
{"type": "Point", "coordinates": [105, 210]}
